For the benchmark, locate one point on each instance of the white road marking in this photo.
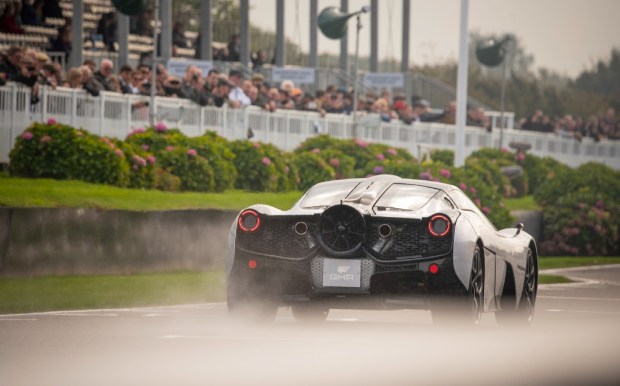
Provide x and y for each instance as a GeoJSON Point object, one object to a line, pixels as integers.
{"type": "Point", "coordinates": [579, 298]}
{"type": "Point", "coordinates": [16, 320]}
{"type": "Point", "coordinates": [267, 338]}
{"type": "Point", "coordinates": [344, 320]}
{"type": "Point", "coordinates": [173, 308]}
{"type": "Point", "coordinates": [81, 314]}
{"type": "Point", "coordinates": [584, 312]}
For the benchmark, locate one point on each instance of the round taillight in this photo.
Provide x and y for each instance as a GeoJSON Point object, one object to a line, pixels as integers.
{"type": "Point", "coordinates": [439, 225]}
{"type": "Point", "coordinates": [249, 221]}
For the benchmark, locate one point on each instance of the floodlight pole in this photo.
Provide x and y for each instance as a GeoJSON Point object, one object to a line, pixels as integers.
{"type": "Point", "coordinates": [502, 106]}
{"type": "Point", "coordinates": [152, 110]}
{"type": "Point", "coordinates": [355, 69]}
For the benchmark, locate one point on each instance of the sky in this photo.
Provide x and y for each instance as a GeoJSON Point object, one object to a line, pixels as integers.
{"type": "Point", "coordinates": [567, 36]}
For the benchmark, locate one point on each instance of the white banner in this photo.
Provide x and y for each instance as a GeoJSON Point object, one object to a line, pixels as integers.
{"type": "Point", "coordinates": [177, 67]}
{"type": "Point", "coordinates": [384, 79]}
{"type": "Point", "coordinates": [298, 75]}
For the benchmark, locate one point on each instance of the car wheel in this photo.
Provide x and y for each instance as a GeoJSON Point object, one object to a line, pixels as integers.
{"type": "Point", "coordinates": [309, 313]}
{"type": "Point", "coordinates": [467, 307]}
{"type": "Point", "coordinates": [524, 313]}
{"type": "Point", "coordinates": [250, 307]}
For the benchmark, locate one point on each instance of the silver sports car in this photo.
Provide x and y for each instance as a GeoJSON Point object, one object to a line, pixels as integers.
{"type": "Point", "coordinates": [380, 243]}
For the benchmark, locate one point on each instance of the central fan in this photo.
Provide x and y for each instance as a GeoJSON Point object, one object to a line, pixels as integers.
{"type": "Point", "coordinates": [342, 230]}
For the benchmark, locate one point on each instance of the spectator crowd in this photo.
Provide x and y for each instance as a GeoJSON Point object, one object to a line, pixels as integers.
{"type": "Point", "coordinates": [34, 68]}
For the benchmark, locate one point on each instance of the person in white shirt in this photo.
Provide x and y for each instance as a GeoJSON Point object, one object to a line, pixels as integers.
{"type": "Point", "coordinates": [237, 94]}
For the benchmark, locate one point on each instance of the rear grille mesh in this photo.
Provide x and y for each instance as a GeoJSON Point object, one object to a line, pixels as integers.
{"type": "Point", "coordinates": [408, 239]}
{"type": "Point", "coordinates": [276, 236]}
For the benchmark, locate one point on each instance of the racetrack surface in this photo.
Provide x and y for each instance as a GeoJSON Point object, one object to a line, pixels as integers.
{"type": "Point", "coordinates": [575, 340]}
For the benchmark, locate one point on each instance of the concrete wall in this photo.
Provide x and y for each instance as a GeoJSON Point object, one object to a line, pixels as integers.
{"type": "Point", "coordinates": [90, 241]}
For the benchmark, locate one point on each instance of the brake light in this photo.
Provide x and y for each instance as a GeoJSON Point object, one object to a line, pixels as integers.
{"type": "Point", "coordinates": [439, 225]}
{"type": "Point", "coordinates": [433, 268]}
{"type": "Point", "coordinates": [249, 221]}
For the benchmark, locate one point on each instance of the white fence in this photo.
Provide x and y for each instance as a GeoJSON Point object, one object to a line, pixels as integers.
{"type": "Point", "coordinates": [115, 115]}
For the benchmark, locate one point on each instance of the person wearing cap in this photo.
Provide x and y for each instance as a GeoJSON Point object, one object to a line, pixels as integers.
{"type": "Point", "coordinates": [237, 94]}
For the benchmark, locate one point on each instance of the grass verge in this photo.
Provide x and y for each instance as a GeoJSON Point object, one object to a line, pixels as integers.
{"type": "Point", "coordinates": [47, 193]}
{"type": "Point", "coordinates": [21, 295]}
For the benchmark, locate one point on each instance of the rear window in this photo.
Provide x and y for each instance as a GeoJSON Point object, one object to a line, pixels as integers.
{"type": "Point", "coordinates": [328, 194]}
{"type": "Point", "coordinates": [405, 197]}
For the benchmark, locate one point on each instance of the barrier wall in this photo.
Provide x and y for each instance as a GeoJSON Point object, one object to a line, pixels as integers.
{"type": "Point", "coordinates": [35, 241]}
{"type": "Point", "coordinates": [115, 115]}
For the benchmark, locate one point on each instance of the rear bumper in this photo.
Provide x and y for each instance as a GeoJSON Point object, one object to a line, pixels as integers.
{"type": "Point", "coordinates": [394, 285]}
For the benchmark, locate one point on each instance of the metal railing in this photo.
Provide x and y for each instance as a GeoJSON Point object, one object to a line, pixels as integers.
{"type": "Point", "coordinates": [116, 115]}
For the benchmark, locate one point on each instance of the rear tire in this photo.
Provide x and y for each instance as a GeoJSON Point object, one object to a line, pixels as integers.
{"type": "Point", "coordinates": [523, 315]}
{"type": "Point", "coordinates": [465, 308]}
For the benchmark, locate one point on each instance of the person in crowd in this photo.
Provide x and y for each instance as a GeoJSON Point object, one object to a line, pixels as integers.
{"type": "Point", "coordinates": [10, 65]}
{"type": "Point", "coordinates": [28, 76]}
{"type": "Point", "coordinates": [178, 35]}
{"type": "Point", "coordinates": [32, 13]}
{"type": "Point", "coordinates": [115, 82]}
{"type": "Point", "coordinates": [106, 28]}
{"type": "Point", "coordinates": [221, 93]}
{"type": "Point", "coordinates": [234, 48]}
{"type": "Point", "coordinates": [449, 114]}
{"type": "Point", "coordinates": [73, 78]}
{"type": "Point", "coordinates": [48, 76]}
{"type": "Point", "coordinates": [124, 75]}
{"type": "Point", "coordinates": [62, 43]}
{"type": "Point", "coordinates": [193, 86]}
{"type": "Point", "coordinates": [8, 20]}
{"type": "Point", "coordinates": [211, 81]}
{"type": "Point", "coordinates": [258, 60]}
{"type": "Point", "coordinates": [51, 8]}
{"type": "Point", "coordinates": [143, 24]}
{"type": "Point", "coordinates": [173, 87]}
{"type": "Point", "coordinates": [90, 84]}
{"type": "Point", "coordinates": [106, 69]}
{"type": "Point", "coordinates": [136, 83]}
{"type": "Point", "coordinates": [236, 93]}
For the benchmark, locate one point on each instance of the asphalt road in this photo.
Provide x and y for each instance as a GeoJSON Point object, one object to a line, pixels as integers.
{"type": "Point", "coordinates": [575, 341]}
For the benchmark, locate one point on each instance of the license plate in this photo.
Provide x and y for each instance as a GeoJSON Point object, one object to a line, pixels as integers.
{"type": "Point", "coordinates": [342, 273]}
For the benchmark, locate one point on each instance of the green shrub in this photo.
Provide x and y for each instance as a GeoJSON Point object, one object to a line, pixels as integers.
{"type": "Point", "coordinates": [257, 172]}
{"type": "Point", "coordinates": [312, 170]}
{"type": "Point", "coordinates": [445, 157]}
{"type": "Point", "coordinates": [141, 165]}
{"type": "Point", "coordinates": [539, 169]}
{"type": "Point", "coordinates": [62, 152]}
{"type": "Point", "coordinates": [286, 173]}
{"type": "Point", "coordinates": [580, 210]}
{"type": "Point", "coordinates": [581, 223]}
{"type": "Point", "coordinates": [192, 169]}
{"type": "Point", "coordinates": [219, 156]}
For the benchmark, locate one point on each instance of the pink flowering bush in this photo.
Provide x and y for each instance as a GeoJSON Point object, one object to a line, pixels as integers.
{"type": "Point", "coordinates": [256, 175]}
{"type": "Point", "coordinates": [62, 152]}
{"type": "Point", "coordinates": [312, 169]}
{"type": "Point", "coordinates": [580, 209]}
{"type": "Point", "coordinates": [194, 171]}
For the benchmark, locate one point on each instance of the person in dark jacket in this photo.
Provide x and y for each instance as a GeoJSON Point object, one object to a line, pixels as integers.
{"type": "Point", "coordinates": [105, 71]}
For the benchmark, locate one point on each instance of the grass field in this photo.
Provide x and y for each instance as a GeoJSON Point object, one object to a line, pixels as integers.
{"type": "Point", "coordinates": [47, 193]}
{"type": "Point", "coordinates": [20, 295]}
{"type": "Point", "coordinates": [521, 203]}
